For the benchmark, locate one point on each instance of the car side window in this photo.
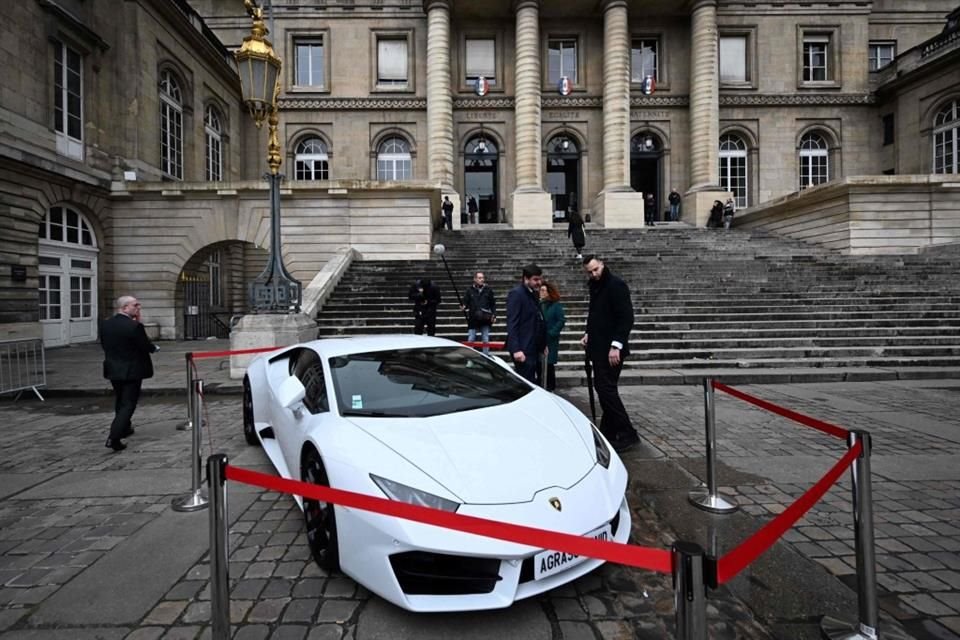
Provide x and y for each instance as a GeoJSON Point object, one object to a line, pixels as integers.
{"type": "Point", "coordinates": [307, 366]}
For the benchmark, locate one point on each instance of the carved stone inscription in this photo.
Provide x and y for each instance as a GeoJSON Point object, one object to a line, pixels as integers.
{"type": "Point", "coordinates": [482, 115]}
{"type": "Point", "coordinates": [649, 115]}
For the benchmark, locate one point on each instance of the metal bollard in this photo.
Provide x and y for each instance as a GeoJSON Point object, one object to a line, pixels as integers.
{"type": "Point", "coordinates": [189, 421]}
{"type": "Point", "coordinates": [868, 608]}
{"type": "Point", "coordinates": [689, 594]}
{"type": "Point", "coordinates": [219, 547]}
{"type": "Point", "coordinates": [709, 499]}
{"type": "Point", "coordinates": [195, 500]}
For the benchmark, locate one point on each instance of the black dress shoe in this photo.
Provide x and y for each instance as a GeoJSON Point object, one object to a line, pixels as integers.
{"type": "Point", "coordinates": [116, 445]}
{"type": "Point", "coordinates": [127, 433]}
{"type": "Point", "coordinates": [625, 441]}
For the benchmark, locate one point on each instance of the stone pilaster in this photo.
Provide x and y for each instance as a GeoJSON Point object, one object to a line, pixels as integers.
{"type": "Point", "coordinates": [704, 98]}
{"type": "Point", "coordinates": [531, 204]}
{"type": "Point", "coordinates": [440, 153]}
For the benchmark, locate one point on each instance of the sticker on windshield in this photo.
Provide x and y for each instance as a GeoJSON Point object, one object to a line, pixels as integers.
{"type": "Point", "coordinates": [357, 402]}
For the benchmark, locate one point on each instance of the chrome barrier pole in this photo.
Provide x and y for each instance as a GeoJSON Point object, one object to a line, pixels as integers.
{"type": "Point", "coordinates": [709, 498]}
{"type": "Point", "coordinates": [689, 594]}
{"type": "Point", "coordinates": [189, 422]}
{"type": "Point", "coordinates": [195, 500]}
{"type": "Point", "coordinates": [219, 547]}
{"type": "Point", "coordinates": [868, 608]}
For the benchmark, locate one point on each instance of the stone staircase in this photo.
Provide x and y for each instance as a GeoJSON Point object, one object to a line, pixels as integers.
{"type": "Point", "coordinates": [741, 305]}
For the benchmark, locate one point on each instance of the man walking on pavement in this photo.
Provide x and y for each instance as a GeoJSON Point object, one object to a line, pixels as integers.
{"type": "Point", "coordinates": [606, 340]}
{"type": "Point", "coordinates": [526, 328]}
{"type": "Point", "coordinates": [126, 365]}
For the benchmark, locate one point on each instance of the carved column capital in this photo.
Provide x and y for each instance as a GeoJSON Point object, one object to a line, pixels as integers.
{"type": "Point", "coordinates": [525, 4]}
{"type": "Point", "coordinates": [613, 4]}
{"type": "Point", "coordinates": [429, 5]}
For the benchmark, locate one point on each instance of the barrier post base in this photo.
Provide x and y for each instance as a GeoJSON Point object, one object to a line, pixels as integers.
{"type": "Point", "coordinates": [193, 501]}
{"type": "Point", "coordinates": [702, 499]}
{"type": "Point", "coordinates": [836, 629]}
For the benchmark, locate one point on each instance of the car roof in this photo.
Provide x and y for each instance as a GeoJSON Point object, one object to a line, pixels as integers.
{"type": "Point", "coordinates": [329, 347]}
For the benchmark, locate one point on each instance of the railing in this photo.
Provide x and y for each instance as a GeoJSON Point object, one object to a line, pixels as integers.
{"type": "Point", "coordinates": [23, 365]}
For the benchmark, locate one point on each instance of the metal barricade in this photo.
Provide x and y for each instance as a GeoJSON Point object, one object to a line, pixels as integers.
{"type": "Point", "coordinates": [23, 365]}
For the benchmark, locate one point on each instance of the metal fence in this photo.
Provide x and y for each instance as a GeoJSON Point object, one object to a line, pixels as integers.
{"type": "Point", "coordinates": [23, 365]}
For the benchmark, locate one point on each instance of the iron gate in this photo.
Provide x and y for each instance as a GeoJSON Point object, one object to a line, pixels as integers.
{"type": "Point", "coordinates": [200, 321]}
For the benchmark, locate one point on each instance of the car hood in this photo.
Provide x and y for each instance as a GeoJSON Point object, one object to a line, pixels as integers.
{"type": "Point", "coordinates": [494, 455]}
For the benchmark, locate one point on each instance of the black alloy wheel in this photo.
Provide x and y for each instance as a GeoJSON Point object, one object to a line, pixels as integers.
{"type": "Point", "coordinates": [249, 427]}
{"type": "Point", "coordinates": [319, 517]}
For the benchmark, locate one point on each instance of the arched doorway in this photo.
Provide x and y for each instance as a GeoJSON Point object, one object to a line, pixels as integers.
{"type": "Point", "coordinates": [646, 155]}
{"type": "Point", "coordinates": [67, 255]}
{"type": "Point", "coordinates": [563, 175]}
{"type": "Point", "coordinates": [480, 185]}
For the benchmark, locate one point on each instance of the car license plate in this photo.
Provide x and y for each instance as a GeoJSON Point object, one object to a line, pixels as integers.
{"type": "Point", "coordinates": [547, 563]}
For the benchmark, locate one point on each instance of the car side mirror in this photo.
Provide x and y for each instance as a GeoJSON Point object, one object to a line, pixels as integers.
{"type": "Point", "coordinates": [291, 393]}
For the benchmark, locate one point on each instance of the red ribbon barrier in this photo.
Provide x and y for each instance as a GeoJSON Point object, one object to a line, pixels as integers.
{"type": "Point", "coordinates": [643, 557]}
{"type": "Point", "coordinates": [480, 345]}
{"type": "Point", "coordinates": [819, 425]}
{"type": "Point", "coordinates": [732, 563]}
{"type": "Point", "coordinates": [196, 355]}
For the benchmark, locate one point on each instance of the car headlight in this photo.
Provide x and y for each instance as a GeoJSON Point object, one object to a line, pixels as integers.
{"type": "Point", "coordinates": [403, 493]}
{"type": "Point", "coordinates": [603, 453]}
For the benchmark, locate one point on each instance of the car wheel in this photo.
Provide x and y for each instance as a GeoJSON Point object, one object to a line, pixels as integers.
{"type": "Point", "coordinates": [249, 427]}
{"type": "Point", "coordinates": [320, 518]}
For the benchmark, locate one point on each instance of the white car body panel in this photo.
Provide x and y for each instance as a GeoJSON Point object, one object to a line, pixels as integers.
{"type": "Point", "coordinates": [503, 463]}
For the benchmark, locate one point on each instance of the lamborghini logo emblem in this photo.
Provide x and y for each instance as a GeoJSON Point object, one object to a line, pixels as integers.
{"type": "Point", "coordinates": [555, 503]}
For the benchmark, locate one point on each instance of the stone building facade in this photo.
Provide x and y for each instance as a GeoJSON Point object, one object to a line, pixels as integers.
{"type": "Point", "coordinates": [127, 163]}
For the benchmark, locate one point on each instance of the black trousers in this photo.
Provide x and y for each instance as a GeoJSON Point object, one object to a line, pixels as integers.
{"type": "Point", "coordinates": [615, 421]}
{"type": "Point", "coordinates": [529, 369]}
{"type": "Point", "coordinates": [428, 321]}
{"type": "Point", "coordinates": [551, 382]}
{"type": "Point", "coordinates": [126, 393]}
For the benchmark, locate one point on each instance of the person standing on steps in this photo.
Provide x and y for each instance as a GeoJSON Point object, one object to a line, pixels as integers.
{"type": "Point", "coordinates": [526, 329]}
{"type": "Point", "coordinates": [480, 306]}
{"type": "Point", "coordinates": [472, 209]}
{"type": "Point", "coordinates": [729, 208]}
{"type": "Point", "coordinates": [126, 364]}
{"type": "Point", "coordinates": [607, 343]}
{"type": "Point", "coordinates": [447, 208]}
{"type": "Point", "coordinates": [674, 200]}
{"type": "Point", "coordinates": [425, 297]}
{"type": "Point", "coordinates": [555, 319]}
{"type": "Point", "coordinates": [576, 233]}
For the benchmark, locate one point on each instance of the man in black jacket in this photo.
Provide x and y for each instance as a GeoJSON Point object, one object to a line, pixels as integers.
{"type": "Point", "coordinates": [126, 365]}
{"type": "Point", "coordinates": [480, 307]}
{"type": "Point", "coordinates": [425, 297]}
{"type": "Point", "coordinates": [526, 329]}
{"type": "Point", "coordinates": [606, 340]}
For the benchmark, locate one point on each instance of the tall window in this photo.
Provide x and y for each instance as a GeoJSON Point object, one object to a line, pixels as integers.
{"type": "Point", "coordinates": [50, 292]}
{"type": "Point", "coordinates": [946, 139]}
{"type": "Point", "coordinates": [733, 59]}
{"type": "Point", "coordinates": [481, 60]}
{"type": "Point", "coordinates": [816, 51]}
{"type": "Point", "coordinates": [814, 160]}
{"type": "Point", "coordinates": [311, 160]}
{"type": "Point", "coordinates": [213, 149]}
{"type": "Point", "coordinates": [310, 63]}
{"type": "Point", "coordinates": [562, 59]}
{"type": "Point", "coordinates": [392, 62]}
{"type": "Point", "coordinates": [63, 224]}
{"type": "Point", "coordinates": [68, 100]}
{"type": "Point", "coordinates": [881, 54]}
{"type": "Point", "coordinates": [643, 59]}
{"type": "Point", "coordinates": [733, 168]}
{"type": "Point", "coordinates": [393, 160]}
{"type": "Point", "coordinates": [171, 126]}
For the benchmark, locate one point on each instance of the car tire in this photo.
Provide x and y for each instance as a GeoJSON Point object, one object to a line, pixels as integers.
{"type": "Point", "coordinates": [320, 518]}
{"type": "Point", "coordinates": [249, 426]}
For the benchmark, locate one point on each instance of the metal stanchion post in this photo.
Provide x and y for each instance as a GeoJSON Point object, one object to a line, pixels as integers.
{"type": "Point", "coordinates": [868, 608]}
{"type": "Point", "coordinates": [194, 500]}
{"type": "Point", "coordinates": [219, 548]}
{"type": "Point", "coordinates": [189, 421]}
{"type": "Point", "coordinates": [709, 498]}
{"type": "Point", "coordinates": [689, 594]}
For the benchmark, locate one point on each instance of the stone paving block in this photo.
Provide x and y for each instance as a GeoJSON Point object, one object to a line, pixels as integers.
{"type": "Point", "coordinates": [951, 622]}
{"type": "Point", "coordinates": [252, 632]}
{"type": "Point", "coordinates": [338, 611]}
{"type": "Point", "coordinates": [186, 590]}
{"type": "Point", "coordinates": [893, 582]}
{"type": "Point", "coordinates": [277, 588]}
{"type": "Point", "coordinates": [951, 578]}
{"type": "Point", "coordinates": [289, 569]}
{"type": "Point", "coordinates": [924, 581]}
{"type": "Point", "coordinates": [145, 633]}
{"type": "Point", "coordinates": [9, 617]}
{"type": "Point", "coordinates": [576, 631]}
{"type": "Point", "coordinates": [290, 632]}
{"type": "Point", "coordinates": [267, 610]}
{"type": "Point", "coordinates": [308, 588]}
{"type": "Point", "coordinates": [326, 632]}
{"type": "Point", "coordinates": [248, 589]}
{"type": "Point", "coordinates": [952, 600]}
{"type": "Point", "coordinates": [568, 609]}
{"type": "Point", "coordinates": [950, 560]}
{"type": "Point", "coordinates": [922, 561]}
{"type": "Point", "coordinates": [182, 633]}
{"type": "Point", "coordinates": [166, 612]}
{"type": "Point", "coordinates": [922, 544]}
{"type": "Point", "coordinates": [927, 604]}
{"type": "Point", "coordinates": [300, 610]}
{"type": "Point", "coordinates": [197, 612]}
{"type": "Point", "coordinates": [259, 570]}
{"type": "Point", "coordinates": [239, 609]}
{"type": "Point", "coordinates": [340, 588]}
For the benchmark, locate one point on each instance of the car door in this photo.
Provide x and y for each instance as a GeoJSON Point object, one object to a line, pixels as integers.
{"type": "Point", "coordinates": [308, 368]}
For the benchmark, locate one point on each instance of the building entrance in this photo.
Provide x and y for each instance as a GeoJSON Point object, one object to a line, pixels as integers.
{"type": "Point", "coordinates": [646, 154]}
{"type": "Point", "coordinates": [481, 198]}
{"type": "Point", "coordinates": [563, 176]}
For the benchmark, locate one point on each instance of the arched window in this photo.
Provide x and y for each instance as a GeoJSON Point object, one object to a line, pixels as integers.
{"type": "Point", "coordinates": [946, 139]}
{"type": "Point", "coordinates": [393, 160]}
{"type": "Point", "coordinates": [311, 160]}
{"type": "Point", "coordinates": [212, 129]}
{"type": "Point", "coordinates": [814, 160]}
{"type": "Point", "coordinates": [733, 168]}
{"type": "Point", "coordinates": [63, 224]}
{"type": "Point", "coordinates": [171, 126]}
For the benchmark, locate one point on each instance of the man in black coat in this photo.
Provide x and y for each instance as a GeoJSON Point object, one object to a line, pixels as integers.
{"type": "Point", "coordinates": [425, 297]}
{"type": "Point", "coordinates": [480, 307]}
{"type": "Point", "coordinates": [126, 365]}
{"type": "Point", "coordinates": [606, 340]}
{"type": "Point", "coordinates": [526, 328]}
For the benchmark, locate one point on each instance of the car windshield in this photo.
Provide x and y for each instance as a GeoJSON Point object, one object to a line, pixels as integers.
{"type": "Point", "coordinates": [420, 382]}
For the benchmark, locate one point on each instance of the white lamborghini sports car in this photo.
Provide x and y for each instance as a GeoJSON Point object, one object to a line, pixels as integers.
{"type": "Point", "coordinates": [431, 422]}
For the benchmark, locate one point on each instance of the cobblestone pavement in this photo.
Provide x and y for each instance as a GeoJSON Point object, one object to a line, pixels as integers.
{"type": "Point", "coordinates": [89, 546]}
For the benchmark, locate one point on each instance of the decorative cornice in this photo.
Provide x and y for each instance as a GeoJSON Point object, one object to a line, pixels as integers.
{"type": "Point", "coordinates": [331, 104]}
{"type": "Point", "coordinates": [571, 102]}
{"type": "Point", "coordinates": [795, 99]}
{"type": "Point", "coordinates": [659, 101]}
{"type": "Point", "coordinates": [483, 103]}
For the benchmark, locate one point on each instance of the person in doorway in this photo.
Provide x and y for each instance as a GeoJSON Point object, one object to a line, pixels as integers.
{"type": "Point", "coordinates": [576, 232]}
{"type": "Point", "coordinates": [480, 307]}
{"type": "Point", "coordinates": [716, 215]}
{"type": "Point", "coordinates": [425, 297]}
{"type": "Point", "coordinates": [555, 319]}
{"type": "Point", "coordinates": [607, 343]}
{"type": "Point", "coordinates": [729, 208]}
{"type": "Point", "coordinates": [472, 209]}
{"type": "Point", "coordinates": [526, 329]}
{"type": "Point", "coordinates": [447, 208]}
{"type": "Point", "coordinates": [650, 208]}
{"type": "Point", "coordinates": [674, 200]}
{"type": "Point", "coordinates": [126, 364]}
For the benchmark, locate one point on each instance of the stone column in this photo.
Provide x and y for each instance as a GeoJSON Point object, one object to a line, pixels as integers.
{"type": "Point", "coordinates": [531, 204]}
{"type": "Point", "coordinates": [617, 205]}
{"type": "Point", "coordinates": [704, 97]}
{"type": "Point", "coordinates": [440, 153]}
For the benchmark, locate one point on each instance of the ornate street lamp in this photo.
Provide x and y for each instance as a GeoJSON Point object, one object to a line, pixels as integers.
{"type": "Point", "coordinates": [274, 290]}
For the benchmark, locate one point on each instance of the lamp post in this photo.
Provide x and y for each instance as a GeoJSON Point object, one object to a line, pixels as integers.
{"type": "Point", "coordinates": [274, 290]}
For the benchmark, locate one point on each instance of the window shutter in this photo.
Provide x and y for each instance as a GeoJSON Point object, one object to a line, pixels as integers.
{"type": "Point", "coordinates": [392, 59]}
{"type": "Point", "coordinates": [480, 58]}
{"type": "Point", "coordinates": [733, 59]}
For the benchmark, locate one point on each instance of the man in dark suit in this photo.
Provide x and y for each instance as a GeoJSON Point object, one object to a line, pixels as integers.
{"type": "Point", "coordinates": [606, 340]}
{"type": "Point", "coordinates": [426, 298]}
{"type": "Point", "coordinates": [526, 328]}
{"type": "Point", "coordinates": [126, 364]}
